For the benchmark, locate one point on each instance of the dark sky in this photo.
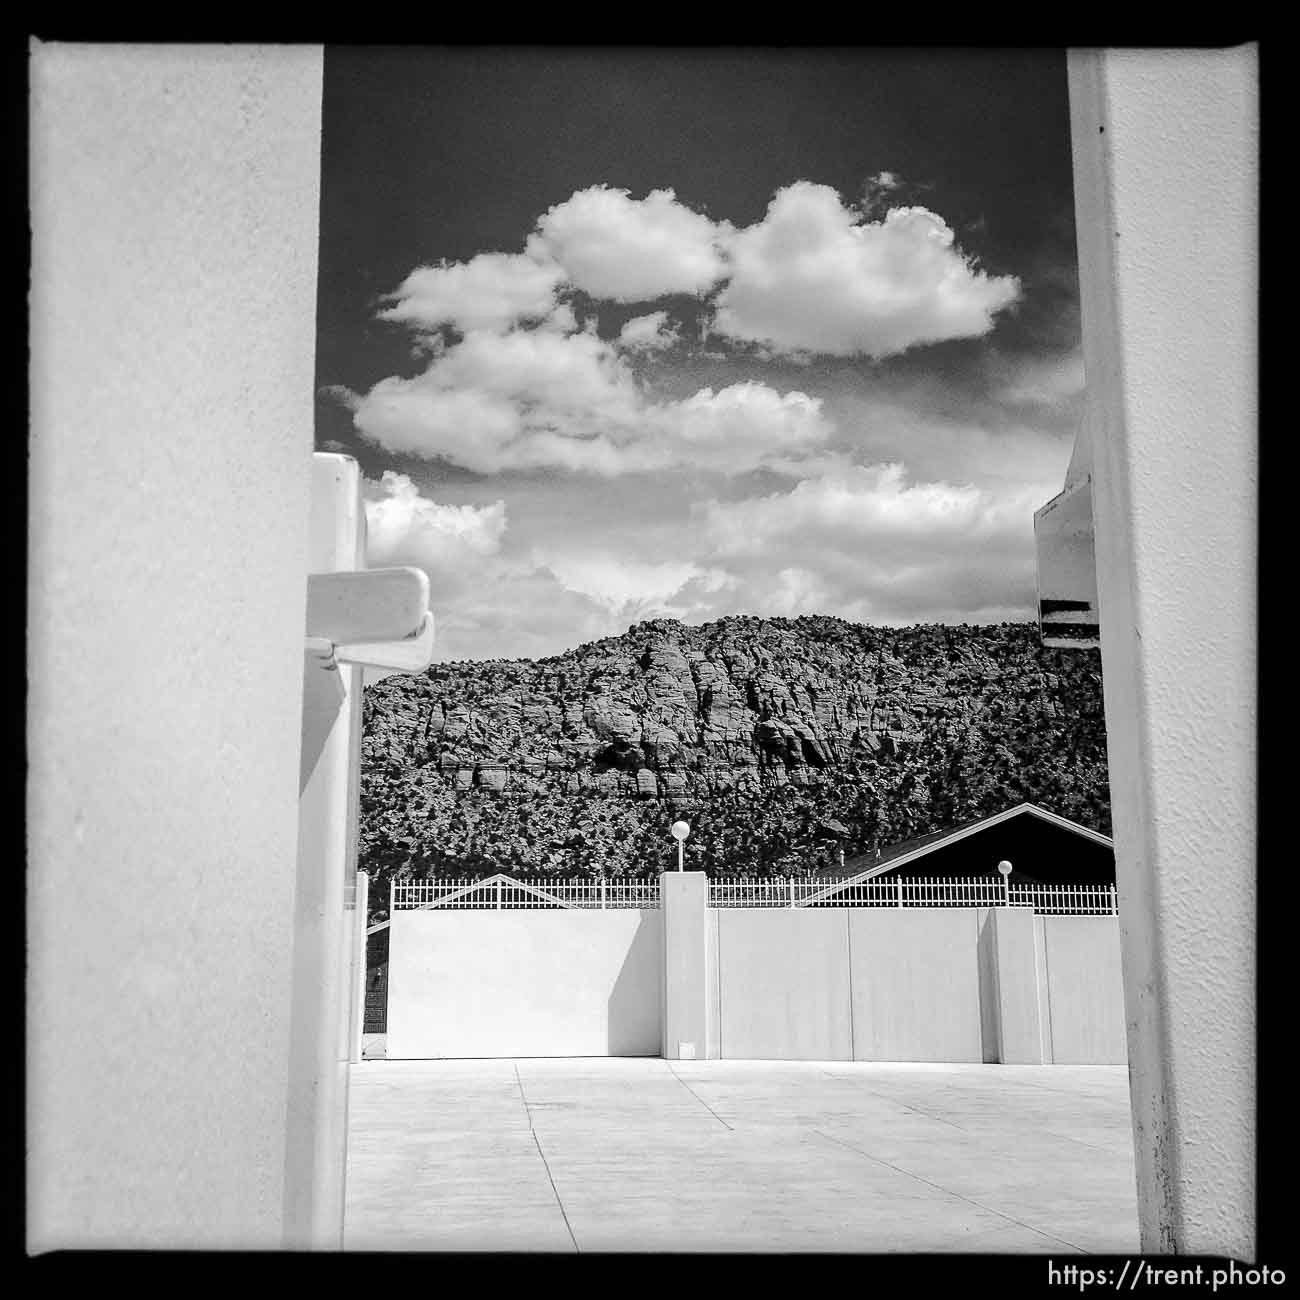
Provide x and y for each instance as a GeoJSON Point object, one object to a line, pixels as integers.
{"type": "Point", "coordinates": [443, 153]}
{"type": "Point", "coordinates": [433, 154]}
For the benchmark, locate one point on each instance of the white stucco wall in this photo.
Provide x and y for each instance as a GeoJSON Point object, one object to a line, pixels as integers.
{"type": "Point", "coordinates": [783, 981]}
{"type": "Point", "coordinates": [482, 983]}
{"type": "Point", "coordinates": [1166, 175]}
{"type": "Point", "coordinates": [688, 942]}
{"type": "Point", "coordinates": [916, 984]}
{"type": "Point", "coordinates": [1084, 1006]}
{"type": "Point", "coordinates": [871, 984]}
{"type": "Point", "coordinates": [713, 989]}
{"type": "Point", "coordinates": [316, 1119]}
{"type": "Point", "coordinates": [175, 194]}
{"type": "Point", "coordinates": [1013, 944]}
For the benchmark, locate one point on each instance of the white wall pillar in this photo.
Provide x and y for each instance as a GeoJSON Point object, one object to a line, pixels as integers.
{"type": "Point", "coordinates": [360, 922]}
{"type": "Point", "coordinates": [1165, 166]}
{"type": "Point", "coordinates": [323, 939]}
{"type": "Point", "coordinates": [684, 897]}
{"type": "Point", "coordinates": [175, 200]}
{"type": "Point", "coordinates": [1019, 996]}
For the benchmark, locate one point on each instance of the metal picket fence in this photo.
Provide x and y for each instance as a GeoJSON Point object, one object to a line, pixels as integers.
{"type": "Point", "coordinates": [953, 891]}
{"type": "Point", "coordinates": [501, 891]}
{"type": "Point", "coordinates": [1071, 899]}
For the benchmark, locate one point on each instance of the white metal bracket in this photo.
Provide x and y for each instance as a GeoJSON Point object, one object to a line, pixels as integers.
{"type": "Point", "coordinates": [375, 618]}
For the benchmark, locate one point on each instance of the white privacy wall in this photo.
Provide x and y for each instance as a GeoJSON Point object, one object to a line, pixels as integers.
{"type": "Point", "coordinates": [783, 981]}
{"type": "Point", "coordinates": [174, 207]}
{"type": "Point", "coordinates": [914, 984]}
{"type": "Point", "coordinates": [480, 983]}
{"type": "Point", "coordinates": [804, 984]}
{"type": "Point", "coordinates": [1166, 197]}
{"type": "Point", "coordinates": [1084, 989]}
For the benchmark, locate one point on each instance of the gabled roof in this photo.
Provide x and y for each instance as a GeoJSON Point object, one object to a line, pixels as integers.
{"type": "Point", "coordinates": [898, 855]}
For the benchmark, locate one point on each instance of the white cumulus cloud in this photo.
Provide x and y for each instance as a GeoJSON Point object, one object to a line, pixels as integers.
{"type": "Point", "coordinates": [631, 588]}
{"type": "Point", "coordinates": [795, 591]}
{"type": "Point", "coordinates": [510, 383]}
{"type": "Point", "coordinates": [812, 276]}
{"type": "Point", "coordinates": [630, 250]}
{"type": "Point", "coordinates": [537, 399]}
{"type": "Point", "coordinates": [405, 527]}
{"type": "Point", "coordinates": [466, 427]}
{"type": "Point", "coordinates": [489, 601]}
{"type": "Point", "coordinates": [492, 291]}
{"type": "Point", "coordinates": [650, 333]}
{"type": "Point", "coordinates": [742, 427]}
{"type": "Point", "coordinates": [1044, 382]}
{"type": "Point", "coordinates": [866, 506]}
{"type": "Point", "coordinates": [867, 544]}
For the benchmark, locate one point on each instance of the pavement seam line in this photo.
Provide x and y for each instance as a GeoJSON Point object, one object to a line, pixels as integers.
{"type": "Point", "coordinates": [961, 1128]}
{"type": "Point", "coordinates": [537, 1142]}
{"type": "Point", "coordinates": [555, 1191]}
{"type": "Point", "coordinates": [939, 1119]}
{"type": "Point", "coordinates": [698, 1098]}
{"type": "Point", "coordinates": [948, 1191]}
{"type": "Point", "coordinates": [893, 1101]}
{"type": "Point", "coordinates": [523, 1096]}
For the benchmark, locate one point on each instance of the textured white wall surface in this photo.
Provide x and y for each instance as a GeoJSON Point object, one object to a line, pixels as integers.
{"type": "Point", "coordinates": [359, 913]}
{"type": "Point", "coordinates": [1012, 945]}
{"type": "Point", "coordinates": [175, 195]}
{"type": "Point", "coordinates": [316, 1121]}
{"type": "Point", "coordinates": [1165, 158]}
{"type": "Point", "coordinates": [916, 984]}
{"type": "Point", "coordinates": [579, 982]}
{"type": "Point", "coordinates": [1083, 989]}
{"type": "Point", "coordinates": [825, 984]}
{"type": "Point", "coordinates": [783, 980]}
{"type": "Point", "coordinates": [690, 942]}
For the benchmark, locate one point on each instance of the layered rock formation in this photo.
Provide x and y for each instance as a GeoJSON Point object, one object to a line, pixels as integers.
{"type": "Point", "coordinates": [507, 764]}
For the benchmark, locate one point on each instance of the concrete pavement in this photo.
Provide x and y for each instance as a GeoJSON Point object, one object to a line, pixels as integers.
{"type": "Point", "coordinates": [628, 1154]}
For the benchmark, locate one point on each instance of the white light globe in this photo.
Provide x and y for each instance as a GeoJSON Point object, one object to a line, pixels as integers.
{"type": "Point", "coordinates": [679, 830]}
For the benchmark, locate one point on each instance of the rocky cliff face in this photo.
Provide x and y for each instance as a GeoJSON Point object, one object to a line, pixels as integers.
{"type": "Point", "coordinates": [518, 764]}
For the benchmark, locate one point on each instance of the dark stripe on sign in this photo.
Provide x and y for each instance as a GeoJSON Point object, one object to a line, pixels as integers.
{"type": "Point", "coordinates": [1072, 631]}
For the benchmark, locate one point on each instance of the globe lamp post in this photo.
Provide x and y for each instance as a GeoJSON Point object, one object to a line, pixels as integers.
{"type": "Point", "coordinates": [679, 831]}
{"type": "Point", "coordinates": [1004, 870]}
